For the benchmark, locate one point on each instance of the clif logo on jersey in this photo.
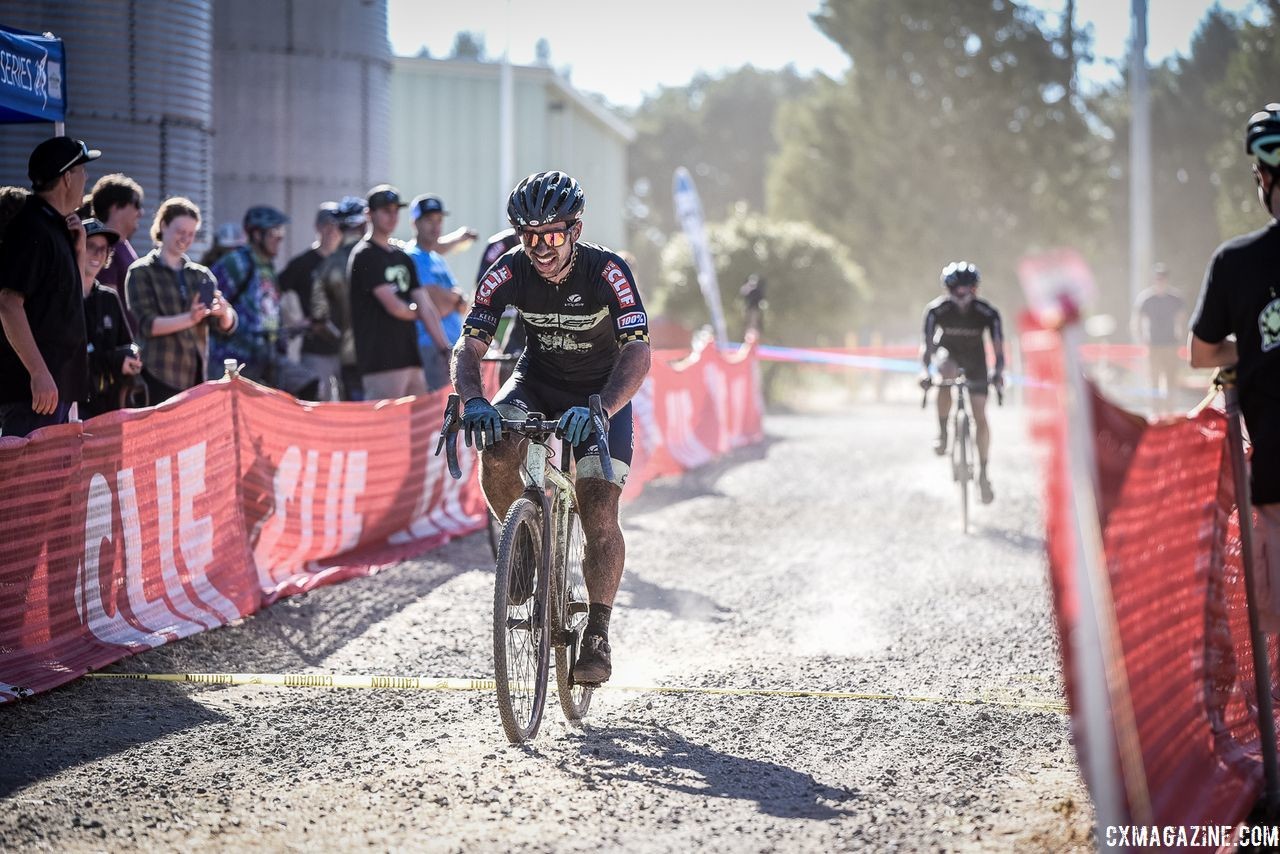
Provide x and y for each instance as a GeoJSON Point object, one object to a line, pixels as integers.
{"type": "Point", "coordinates": [490, 284]}
{"type": "Point", "coordinates": [618, 281]}
{"type": "Point", "coordinates": [634, 318]}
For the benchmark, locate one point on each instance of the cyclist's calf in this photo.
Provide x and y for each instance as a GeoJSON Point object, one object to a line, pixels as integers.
{"type": "Point", "coordinates": [500, 473]}
{"type": "Point", "coordinates": [605, 547]}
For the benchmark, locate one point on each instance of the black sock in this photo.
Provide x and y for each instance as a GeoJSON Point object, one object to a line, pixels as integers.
{"type": "Point", "coordinates": [598, 619]}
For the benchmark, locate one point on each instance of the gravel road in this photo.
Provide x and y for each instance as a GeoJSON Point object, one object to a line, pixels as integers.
{"type": "Point", "coordinates": [828, 557]}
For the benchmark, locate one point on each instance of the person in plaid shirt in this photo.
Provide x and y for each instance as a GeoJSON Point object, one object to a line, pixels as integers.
{"type": "Point", "coordinates": [175, 301]}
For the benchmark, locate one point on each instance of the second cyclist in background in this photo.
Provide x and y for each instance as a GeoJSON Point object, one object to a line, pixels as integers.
{"type": "Point", "coordinates": [956, 322]}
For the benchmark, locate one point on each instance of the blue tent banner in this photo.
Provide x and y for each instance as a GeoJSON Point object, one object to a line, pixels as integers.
{"type": "Point", "coordinates": [32, 78]}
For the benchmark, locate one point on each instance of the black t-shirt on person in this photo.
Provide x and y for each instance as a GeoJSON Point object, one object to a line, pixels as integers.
{"type": "Point", "coordinates": [298, 276]}
{"type": "Point", "coordinates": [576, 329]}
{"type": "Point", "coordinates": [383, 342]}
{"type": "Point", "coordinates": [37, 260]}
{"type": "Point", "coordinates": [1241, 296]}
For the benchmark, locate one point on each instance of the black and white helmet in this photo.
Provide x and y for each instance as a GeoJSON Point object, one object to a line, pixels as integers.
{"type": "Point", "coordinates": [545, 197]}
{"type": "Point", "coordinates": [1262, 136]}
{"type": "Point", "coordinates": [959, 274]}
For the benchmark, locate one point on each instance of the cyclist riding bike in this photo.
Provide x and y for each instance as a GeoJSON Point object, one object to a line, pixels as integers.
{"type": "Point", "coordinates": [955, 322]}
{"type": "Point", "coordinates": [587, 334]}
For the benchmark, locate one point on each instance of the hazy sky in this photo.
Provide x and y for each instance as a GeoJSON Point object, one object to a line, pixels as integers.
{"type": "Point", "coordinates": [624, 50]}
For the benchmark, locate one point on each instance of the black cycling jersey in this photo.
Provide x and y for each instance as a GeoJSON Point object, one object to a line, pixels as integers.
{"type": "Point", "coordinates": [576, 329]}
{"type": "Point", "coordinates": [960, 330]}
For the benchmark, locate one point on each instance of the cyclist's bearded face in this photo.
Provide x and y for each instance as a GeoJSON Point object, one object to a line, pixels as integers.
{"type": "Point", "coordinates": [550, 247]}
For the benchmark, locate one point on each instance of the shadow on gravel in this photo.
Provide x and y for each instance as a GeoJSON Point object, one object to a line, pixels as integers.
{"type": "Point", "coordinates": [304, 630]}
{"type": "Point", "coordinates": [66, 728]}
{"type": "Point", "coordinates": [685, 604]}
{"type": "Point", "coordinates": [694, 483]}
{"type": "Point", "coordinates": [660, 757]}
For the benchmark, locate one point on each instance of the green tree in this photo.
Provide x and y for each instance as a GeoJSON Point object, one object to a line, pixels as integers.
{"type": "Point", "coordinates": [816, 293]}
{"type": "Point", "coordinates": [721, 130]}
{"type": "Point", "coordinates": [1251, 81]}
{"type": "Point", "coordinates": [469, 46]}
{"type": "Point", "coordinates": [954, 136]}
{"type": "Point", "coordinates": [1189, 123]}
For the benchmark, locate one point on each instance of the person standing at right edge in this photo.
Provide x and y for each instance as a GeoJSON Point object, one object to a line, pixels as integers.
{"type": "Point", "coordinates": [1241, 297]}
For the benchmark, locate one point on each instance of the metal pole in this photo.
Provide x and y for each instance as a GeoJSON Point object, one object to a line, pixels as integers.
{"type": "Point", "coordinates": [1258, 640]}
{"type": "Point", "coordinates": [506, 124]}
{"type": "Point", "coordinates": [1140, 233]}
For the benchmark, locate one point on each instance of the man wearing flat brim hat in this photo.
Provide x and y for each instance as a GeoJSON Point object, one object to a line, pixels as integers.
{"type": "Point", "coordinates": [43, 363]}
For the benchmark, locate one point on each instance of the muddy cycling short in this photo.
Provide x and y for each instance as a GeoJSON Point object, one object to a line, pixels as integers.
{"type": "Point", "coordinates": [521, 395]}
{"type": "Point", "coordinates": [975, 370]}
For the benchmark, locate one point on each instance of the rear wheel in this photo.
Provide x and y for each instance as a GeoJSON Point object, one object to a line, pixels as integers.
{"type": "Point", "coordinates": [569, 598]}
{"type": "Point", "coordinates": [964, 473]}
{"type": "Point", "coordinates": [521, 640]}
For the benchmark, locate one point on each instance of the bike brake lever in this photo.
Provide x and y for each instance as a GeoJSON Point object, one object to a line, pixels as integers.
{"type": "Point", "coordinates": [602, 436]}
{"type": "Point", "coordinates": [449, 436]}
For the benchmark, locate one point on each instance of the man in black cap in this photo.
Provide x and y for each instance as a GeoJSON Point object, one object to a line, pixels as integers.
{"type": "Point", "coordinates": [43, 361]}
{"type": "Point", "coordinates": [386, 300]}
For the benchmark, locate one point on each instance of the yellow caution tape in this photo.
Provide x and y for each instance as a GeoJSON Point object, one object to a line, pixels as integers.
{"type": "Point", "coordinates": [427, 683]}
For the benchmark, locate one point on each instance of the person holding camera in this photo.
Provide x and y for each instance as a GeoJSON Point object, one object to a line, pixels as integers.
{"type": "Point", "coordinates": [114, 363]}
{"type": "Point", "coordinates": [176, 301]}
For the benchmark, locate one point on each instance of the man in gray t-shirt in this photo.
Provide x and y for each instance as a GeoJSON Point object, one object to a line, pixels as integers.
{"type": "Point", "coordinates": [1159, 321]}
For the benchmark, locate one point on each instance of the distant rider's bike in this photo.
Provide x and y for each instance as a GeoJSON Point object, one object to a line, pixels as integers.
{"type": "Point", "coordinates": [962, 449]}
{"type": "Point", "coordinates": [539, 593]}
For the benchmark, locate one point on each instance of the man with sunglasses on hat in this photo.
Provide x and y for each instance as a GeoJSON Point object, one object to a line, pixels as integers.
{"type": "Point", "coordinates": [587, 334]}
{"type": "Point", "coordinates": [43, 361]}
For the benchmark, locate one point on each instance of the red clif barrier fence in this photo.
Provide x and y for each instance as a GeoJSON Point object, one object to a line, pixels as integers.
{"type": "Point", "coordinates": [1184, 705]}
{"type": "Point", "coordinates": [141, 527]}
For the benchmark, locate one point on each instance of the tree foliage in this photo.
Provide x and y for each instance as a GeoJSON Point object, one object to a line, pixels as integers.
{"type": "Point", "coordinates": [816, 293]}
{"type": "Point", "coordinates": [955, 136]}
{"type": "Point", "coordinates": [721, 130]}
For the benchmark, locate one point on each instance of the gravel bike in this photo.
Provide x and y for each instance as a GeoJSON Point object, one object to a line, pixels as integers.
{"type": "Point", "coordinates": [962, 447]}
{"type": "Point", "coordinates": [539, 590]}
{"type": "Point", "coordinates": [506, 365]}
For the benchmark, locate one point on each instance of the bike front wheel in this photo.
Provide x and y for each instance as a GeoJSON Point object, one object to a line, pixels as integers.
{"type": "Point", "coordinates": [569, 597]}
{"type": "Point", "coordinates": [521, 637]}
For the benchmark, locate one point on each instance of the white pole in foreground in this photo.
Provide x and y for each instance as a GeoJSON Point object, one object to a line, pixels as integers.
{"type": "Point", "coordinates": [1101, 683]}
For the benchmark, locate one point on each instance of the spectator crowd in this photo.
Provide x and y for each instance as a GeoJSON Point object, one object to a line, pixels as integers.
{"type": "Point", "coordinates": [92, 322]}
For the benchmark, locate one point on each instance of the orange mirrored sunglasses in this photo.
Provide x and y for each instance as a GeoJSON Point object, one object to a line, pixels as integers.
{"type": "Point", "coordinates": [554, 239]}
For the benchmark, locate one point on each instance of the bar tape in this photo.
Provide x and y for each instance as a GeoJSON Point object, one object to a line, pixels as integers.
{"type": "Point", "coordinates": [428, 683]}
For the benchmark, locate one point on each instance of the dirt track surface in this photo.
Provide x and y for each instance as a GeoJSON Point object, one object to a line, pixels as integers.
{"type": "Point", "coordinates": [826, 558]}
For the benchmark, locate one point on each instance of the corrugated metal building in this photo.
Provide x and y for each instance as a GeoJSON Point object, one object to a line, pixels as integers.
{"type": "Point", "coordinates": [228, 102]}
{"type": "Point", "coordinates": [445, 140]}
{"type": "Point", "coordinates": [139, 87]}
{"type": "Point", "coordinates": [300, 106]}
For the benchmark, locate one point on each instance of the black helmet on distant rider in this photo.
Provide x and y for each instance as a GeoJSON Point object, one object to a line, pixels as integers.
{"type": "Point", "coordinates": [960, 274]}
